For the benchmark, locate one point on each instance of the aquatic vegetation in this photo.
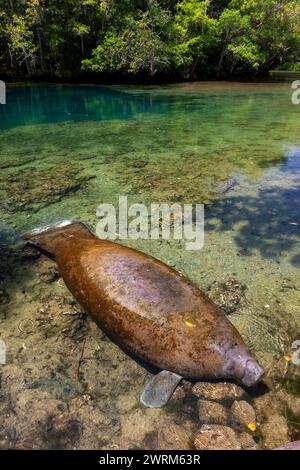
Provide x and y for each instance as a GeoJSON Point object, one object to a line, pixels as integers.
{"type": "Point", "coordinates": [291, 382]}
{"type": "Point", "coordinates": [31, 188]}
{"type": "Point", "coordinates": [294, 424]}
{"type": "Point", "coordinates": [227, 295]}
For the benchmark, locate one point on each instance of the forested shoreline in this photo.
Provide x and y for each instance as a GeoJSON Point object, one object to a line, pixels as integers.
{"type": "Point", "coordinates": [147, 39]}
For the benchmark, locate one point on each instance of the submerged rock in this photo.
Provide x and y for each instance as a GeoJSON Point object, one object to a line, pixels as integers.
{"type": "Point", "coordinates": [279, 403]}
{"type": "Point", "coordinates": [243, 414]}
{"type": "Point", "coordinates": [239, 415]}
{"type": "Point", "coordinates": [227, 185]}
{"type": "Point", "coordinates": [215, 437]}
{"type": "Point", "coordinates": [289, 401]}
{"type": "Point", "coordinates": [174, 437]}
{"type": "Point", "coordinates": [228, 295]}
{"type": "Point", "coordinates": [211, 412]}
{"type": "Point", "coordinates": [275, 431]}
{"type": "Point", "coordinates": [247, 442]}
{"type": "Point", "coordinates": [223, 392]}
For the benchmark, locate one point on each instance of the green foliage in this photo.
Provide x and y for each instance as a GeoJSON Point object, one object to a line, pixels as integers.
{"type": "Point", "coordinates": [137, 48]}
{"type": "Point", "coordinates": [185, 38]}
{"type": "Point", "coordinates": [259, 34]}
{"type": "Point", "coordinates": [194, 36]}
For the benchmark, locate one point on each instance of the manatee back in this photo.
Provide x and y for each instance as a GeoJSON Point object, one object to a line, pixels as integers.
{"type": "Point", "coordinates": [142, 284]}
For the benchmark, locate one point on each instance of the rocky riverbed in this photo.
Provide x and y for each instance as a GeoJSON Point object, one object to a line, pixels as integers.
{"type": "Point", "coordinates": [65, 385]}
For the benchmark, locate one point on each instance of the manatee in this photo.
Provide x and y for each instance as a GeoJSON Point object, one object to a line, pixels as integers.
{"type": "Point", "coordinates": [290, 446]}
{"type": "Point", "coordinates": [150, 310]}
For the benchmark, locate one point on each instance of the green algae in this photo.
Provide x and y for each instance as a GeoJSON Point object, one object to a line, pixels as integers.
{"type": "Point", "coordinates": [31, 189]}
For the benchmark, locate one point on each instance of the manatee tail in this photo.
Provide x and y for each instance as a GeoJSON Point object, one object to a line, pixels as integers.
{"type": "Point", "coordinates": [48, 237]}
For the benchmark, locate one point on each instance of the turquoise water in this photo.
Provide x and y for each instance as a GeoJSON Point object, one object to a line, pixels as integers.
{"type": "Point", "coordinates": [234, 147]}
{"type": "Point", "coordinates": [54, 104]}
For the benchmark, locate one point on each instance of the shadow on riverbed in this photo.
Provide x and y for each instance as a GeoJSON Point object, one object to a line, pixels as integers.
{"type": "Point", "coordinates": [267, 221]}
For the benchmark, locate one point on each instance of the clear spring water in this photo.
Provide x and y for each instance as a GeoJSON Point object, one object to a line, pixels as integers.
{"type": "Point", "coordinates": [234, 147]}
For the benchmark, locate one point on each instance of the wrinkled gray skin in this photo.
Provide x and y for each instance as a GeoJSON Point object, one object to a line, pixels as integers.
{"type": "Point", "coordinates": [239, 365]}
{"type": "Point", "coordinates": [290, 446]}
{"type": "Point", "coordinates": [242, 366]}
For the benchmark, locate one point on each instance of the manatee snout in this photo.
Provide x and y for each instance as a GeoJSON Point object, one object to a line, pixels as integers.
{"type": "Point", "coordinates": [243, 367]}
{"type": "Point", "coordinates": [253, 373]}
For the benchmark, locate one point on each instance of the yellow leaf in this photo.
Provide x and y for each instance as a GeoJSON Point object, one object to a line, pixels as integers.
{"type": "Point", "coordinates": [252, 427]}
{"type": "Point", "coordinates": [190, 325]}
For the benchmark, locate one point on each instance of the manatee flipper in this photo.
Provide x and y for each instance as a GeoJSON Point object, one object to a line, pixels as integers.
{"type": "Point", "coordinates": [159, 389]}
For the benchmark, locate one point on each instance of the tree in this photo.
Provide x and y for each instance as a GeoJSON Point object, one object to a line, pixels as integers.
{"type": "Point", "coordinates": [258, 34]}
{"type": "Point", "coordinates": [138, 47]}
{"type": "Point", "coordinates": [182, 38]}
{"type": "Point", "coordinates": [194, 36]}
{"type": "Point", "coordinates": [16, 31]}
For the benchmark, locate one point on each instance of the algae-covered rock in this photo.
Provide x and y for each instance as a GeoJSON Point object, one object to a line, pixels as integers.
{"type": "Point", "coordinates": [32, 189]}
{"type": "Point", "coordinates": [211, 412]}
{"type": "Point", "coordinates": [174, 437]}
{"type": "Point", "coordinates": [223, 392]}
{"type": "Point", "coordinates": [275, 431]}
{"type": "Point", "coordinates": [247, 442]}
{"type": "Point", "coordinates": [228, 295]}
{"type": "Point", "coordinates": [215, 437]}
{"type": "Point", "coordinates": [242, 414]}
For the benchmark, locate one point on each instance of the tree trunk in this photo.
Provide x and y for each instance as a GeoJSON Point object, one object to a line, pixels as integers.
{"type": "Point", "coordinates": [82, 45]}
{"type": "Point", "coordinates": [26, 62]}
{"type": "Point", "coordinates": [220, 65]}
{"type": "Point", "coordinates": [12, 65]}
{"type": "Point", "coordinates": [41, 50]}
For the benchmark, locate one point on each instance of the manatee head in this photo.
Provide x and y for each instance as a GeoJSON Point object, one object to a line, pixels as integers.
{"type": "Point", "coordinates": [240, 365]}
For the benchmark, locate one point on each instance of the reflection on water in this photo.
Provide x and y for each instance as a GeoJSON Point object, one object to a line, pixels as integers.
{"type": "Point", "coordinates": [39, 104]}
